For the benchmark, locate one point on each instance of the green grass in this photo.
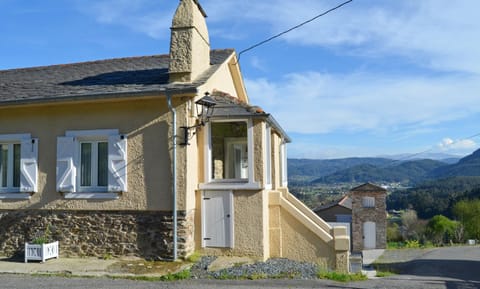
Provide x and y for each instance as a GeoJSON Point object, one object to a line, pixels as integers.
{"type": "Point", "coordinates": [194, 257]}
{"type": "Point", "coordinates": [413, 244]}
{"type": "Point", "coordinates": [341, 277]}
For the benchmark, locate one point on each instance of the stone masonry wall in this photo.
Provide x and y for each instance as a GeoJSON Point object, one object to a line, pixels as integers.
{"type": "Point", "coordinates": [98, 233]}
{"type": "Point", "coordinates": [360, 215]}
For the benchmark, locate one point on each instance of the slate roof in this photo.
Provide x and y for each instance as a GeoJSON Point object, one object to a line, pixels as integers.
{"type": "Point", "coordinates": [228, 106]}
{"type": "Point", "coordinates": [120, 77]}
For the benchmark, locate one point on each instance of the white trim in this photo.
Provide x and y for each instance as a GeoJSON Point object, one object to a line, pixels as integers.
{"type": "Point", "coordinates": [94, 166]}
{"type": "Point", "coordinates": [92, 192]}
{"type": "Point", "coordinates": [14, 137]}
{"type": "Point", "coordinates": [91, 133]}
{"type": "Point", "coordinates": [230, 186]}
{"type": "Point", "coordinates": [208, 158]}
{"type": "Point", "coordinates": [267, 160]}
{"type": "Point", "coordinates": [11, 140]}
{"type": "Point", "coordinates": [283, 164]}
{"type": "Point", "coordinates": [96, 196]}
{"type": "Point", "coordinates": [251, 163]}
{"type": "Point", "coordinates": [207, 167]}
{"type": "Point", "coordinates": [232, 220]}
{"type": "Point", "coordinates": [14, 196]}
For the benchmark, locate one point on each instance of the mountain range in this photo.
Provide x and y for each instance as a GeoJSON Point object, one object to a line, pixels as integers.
{"type": "Point", "coordinates": [359, 170]}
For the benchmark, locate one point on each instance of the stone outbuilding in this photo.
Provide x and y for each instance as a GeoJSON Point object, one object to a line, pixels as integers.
{"type": "Point", "coordinates": [369, 217]}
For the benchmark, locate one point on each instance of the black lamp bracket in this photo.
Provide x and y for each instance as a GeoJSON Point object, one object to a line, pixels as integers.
{"type": "Point", "coordinates": [205, 107]}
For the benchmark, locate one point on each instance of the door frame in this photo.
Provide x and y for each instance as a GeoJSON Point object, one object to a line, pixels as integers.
{"type": "Point", "coordinates": [229, 238]}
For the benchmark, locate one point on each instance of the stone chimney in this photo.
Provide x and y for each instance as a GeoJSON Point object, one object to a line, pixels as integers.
{"type": "Point", "coordinates": [189, 44]}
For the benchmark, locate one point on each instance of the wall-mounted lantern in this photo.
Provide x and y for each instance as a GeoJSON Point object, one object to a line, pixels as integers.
{"type": "Point", "coordinates": [204, 106]}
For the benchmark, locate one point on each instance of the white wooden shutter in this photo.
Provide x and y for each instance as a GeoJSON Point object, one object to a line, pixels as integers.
{"type": "Point", "coordinates": [65, 166]}
{"type": "Point", "coordinates": [28, 165]}
{"type": "Point", "coordinates": [117, 163]}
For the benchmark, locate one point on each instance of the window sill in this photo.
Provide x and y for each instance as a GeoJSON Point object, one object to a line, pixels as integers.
{"type": "Point", "coordinates": [91, 196]}
{"type": "Point", "coordinates": [15, 196]}
{"type": "Point", "coordinates": [230, 186]}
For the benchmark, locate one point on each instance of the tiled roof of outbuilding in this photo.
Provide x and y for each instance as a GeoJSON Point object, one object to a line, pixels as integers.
{"type": "Point", "coordinates": [121, 76]}
{"type": "Point", "coordinates": [345, 202]}
{"type": "Point", "coordinates": [231, 106]}
{"type": "Point", "coordinates": [228, 106]}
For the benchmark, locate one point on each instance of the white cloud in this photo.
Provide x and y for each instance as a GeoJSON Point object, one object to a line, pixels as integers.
{"type": "Point", "coordinates": [149, 17]}
{"type": "Point", "coordinates": [449, 144]}
{"type": "Point", "coordinates": [315, 102]}
{"type": "Point", "coordinates": [439, 34]}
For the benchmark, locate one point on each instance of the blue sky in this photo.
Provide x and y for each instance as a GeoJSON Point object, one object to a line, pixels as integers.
{"type": "Point", "coordinates": [376, 77]}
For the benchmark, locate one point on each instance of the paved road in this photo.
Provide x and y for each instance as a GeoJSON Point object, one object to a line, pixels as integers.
{"type": "Point", "coordinates": [445, 268]}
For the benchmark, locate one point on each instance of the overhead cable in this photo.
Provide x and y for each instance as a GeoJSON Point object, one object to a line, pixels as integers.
{"type": "Point", "coordinates": [291, 29]}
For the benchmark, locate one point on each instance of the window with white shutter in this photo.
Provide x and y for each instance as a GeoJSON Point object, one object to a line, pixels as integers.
{"type": "Point", "coordinates": [92, 164]}
{"type": "Point", "coordinates": [18, 166]}
{"type": "Point", "coordinates": [368, 202]}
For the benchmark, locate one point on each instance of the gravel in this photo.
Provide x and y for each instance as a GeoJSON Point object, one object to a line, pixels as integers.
{"type": "Point", "coordinates": [272, 268]}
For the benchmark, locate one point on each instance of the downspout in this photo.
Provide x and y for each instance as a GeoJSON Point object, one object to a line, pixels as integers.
{"type": "Point", "coordinates": [174, 173]}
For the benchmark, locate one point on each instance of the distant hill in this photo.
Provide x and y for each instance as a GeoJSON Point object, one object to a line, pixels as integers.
{"type": "Point", "coordinates": [446, 158]}
{"type": "Point", "coordinates": [467, 166]}
{"type": "Point", "coordinates": [411, 171]}
{"type": "Point", "coordinates": [359, 170]}
{"type": "Point", "coordinates": [309, 168]}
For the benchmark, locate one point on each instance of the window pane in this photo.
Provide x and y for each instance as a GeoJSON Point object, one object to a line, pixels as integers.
{"type": "Point", "coordinates": [368, 202]}
{"type": "Point", "coordinates": [3, 165]}
{"type": "Point", "coordinates": [16, 165]}
{"type": "Point", "coordinates": [86, 164]}
{"type": "Point", "coordinates": [102, 164]}
{"type": "Point", "coordinates": [229, 150]}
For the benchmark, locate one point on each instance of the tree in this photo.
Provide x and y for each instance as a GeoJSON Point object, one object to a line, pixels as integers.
{"type": "Point", "coordinates": [393, 232]}
{"type": "Point", "coordinates": [412, 228]}
{"type": "Point", "coordinates": [441, 229]}
{"type": "Point", "coordinates": [468, 213]}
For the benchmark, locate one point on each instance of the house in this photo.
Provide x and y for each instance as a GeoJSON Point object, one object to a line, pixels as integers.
{"type": "Point", "coordinates": [113, 157]}
{"type": "Point", "coordinates": [339, 211]}
{"type": "Point", "coordinates": [363, 209]}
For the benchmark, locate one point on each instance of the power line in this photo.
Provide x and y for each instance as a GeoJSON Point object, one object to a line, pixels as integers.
{"type": "Point", "coordinates": [430, 149]}
{"type": "Point", "coordinates": [291, 29]}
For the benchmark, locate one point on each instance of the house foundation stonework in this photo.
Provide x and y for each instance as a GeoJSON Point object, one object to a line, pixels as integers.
{"type": "Point", "coordinates": [97, 233]}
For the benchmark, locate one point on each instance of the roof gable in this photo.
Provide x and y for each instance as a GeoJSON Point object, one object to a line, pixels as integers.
{"type": "Point", "coordinates": [368, 187]}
